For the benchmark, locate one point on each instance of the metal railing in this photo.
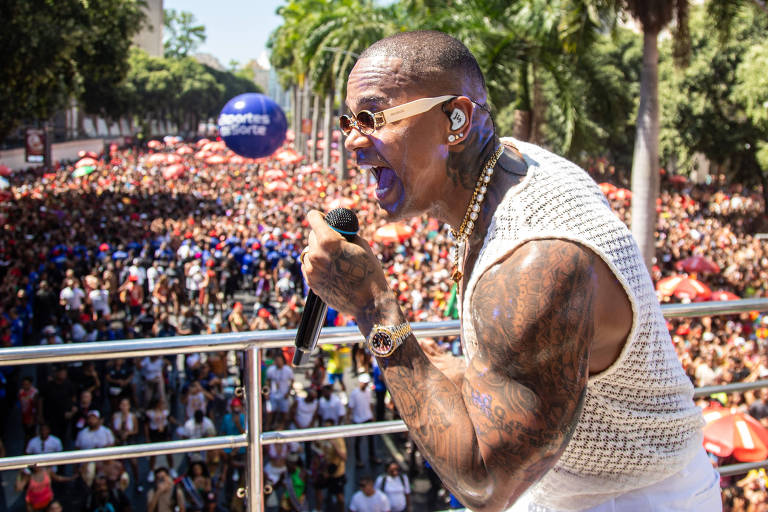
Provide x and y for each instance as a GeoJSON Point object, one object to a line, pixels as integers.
{"type": "Point", "coordinates": [254, 438]}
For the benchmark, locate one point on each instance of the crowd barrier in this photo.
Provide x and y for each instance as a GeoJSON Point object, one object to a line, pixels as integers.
{"type": "Point", "coordinates": [254, 438]}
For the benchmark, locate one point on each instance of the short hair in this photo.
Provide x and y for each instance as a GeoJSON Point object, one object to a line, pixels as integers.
{"type": "Point", "coordinates": [436, 58]}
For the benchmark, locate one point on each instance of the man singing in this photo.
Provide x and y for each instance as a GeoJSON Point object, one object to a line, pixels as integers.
{"type": "Point", "coordinates": [570, 395]}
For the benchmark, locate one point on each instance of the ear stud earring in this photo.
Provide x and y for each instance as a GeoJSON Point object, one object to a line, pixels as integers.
{"type": "Point", "coordinates": [451, 138]}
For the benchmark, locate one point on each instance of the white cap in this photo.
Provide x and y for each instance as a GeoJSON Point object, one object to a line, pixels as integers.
{"type": "Point", "coordinates": [364, 378]}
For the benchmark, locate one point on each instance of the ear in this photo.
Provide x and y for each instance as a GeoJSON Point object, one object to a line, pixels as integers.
{"type": "Point", "coordinates": [459, 113]}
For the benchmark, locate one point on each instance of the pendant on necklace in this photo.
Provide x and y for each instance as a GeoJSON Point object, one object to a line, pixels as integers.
{"type": "Point", "coordinates": [456, 275]}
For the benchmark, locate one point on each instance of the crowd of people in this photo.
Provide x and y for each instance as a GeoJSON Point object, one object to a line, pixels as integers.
{"type": "Point", "coordinates": [128, 250]}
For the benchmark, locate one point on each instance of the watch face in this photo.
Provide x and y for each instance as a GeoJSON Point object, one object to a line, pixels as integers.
{"type": "Point", "coordinates": [381, 342]}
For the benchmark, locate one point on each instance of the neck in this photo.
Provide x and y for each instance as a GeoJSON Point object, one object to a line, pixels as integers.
{"type": "Point", "coordinates": [464, 168]}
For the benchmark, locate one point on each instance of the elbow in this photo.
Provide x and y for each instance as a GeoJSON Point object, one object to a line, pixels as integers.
{"type": "Point", "coordinates": [495, 500]}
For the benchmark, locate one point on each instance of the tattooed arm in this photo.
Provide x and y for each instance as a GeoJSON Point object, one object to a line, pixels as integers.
{"type": "Point", "coordinates": [507, 423]}
{"type": "Point", "coordinates": [522, 392]}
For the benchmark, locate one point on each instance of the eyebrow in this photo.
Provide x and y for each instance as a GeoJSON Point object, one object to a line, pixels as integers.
{"type": "Point", "coordinates": [372, 102]}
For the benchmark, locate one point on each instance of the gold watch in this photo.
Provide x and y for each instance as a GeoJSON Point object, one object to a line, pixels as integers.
{"type": "Point", "coordinates": [384, 339]}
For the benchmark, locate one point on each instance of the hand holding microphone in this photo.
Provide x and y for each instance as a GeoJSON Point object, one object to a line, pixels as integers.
{"type": "Point", "coordinates": [344, 222]}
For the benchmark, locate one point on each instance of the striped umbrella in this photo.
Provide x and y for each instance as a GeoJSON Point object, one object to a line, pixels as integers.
{"type": "Point", "coordinates": [737, 434]}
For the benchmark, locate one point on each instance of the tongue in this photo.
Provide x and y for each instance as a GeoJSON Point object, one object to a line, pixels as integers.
{"type": "Point", "coordinates": [387, 178]}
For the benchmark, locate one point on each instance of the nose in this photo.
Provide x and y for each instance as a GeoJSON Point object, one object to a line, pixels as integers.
{"type": "Point", "coordinates": [356, 140]}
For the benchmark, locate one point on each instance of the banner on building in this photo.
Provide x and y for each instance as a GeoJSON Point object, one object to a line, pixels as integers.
{"type": "Point", "coordinates": [34, 145]}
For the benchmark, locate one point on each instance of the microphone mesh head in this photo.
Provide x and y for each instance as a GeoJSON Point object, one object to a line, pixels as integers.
{"type": "Point", "coordinates": [342, 219]}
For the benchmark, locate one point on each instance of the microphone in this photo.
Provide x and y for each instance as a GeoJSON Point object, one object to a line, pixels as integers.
{"type": "Point", "coordinates": [345, 222]}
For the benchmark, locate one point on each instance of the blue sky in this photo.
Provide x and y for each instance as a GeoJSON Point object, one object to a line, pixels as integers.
{"type": "Point", "coordinates": [235, 29]}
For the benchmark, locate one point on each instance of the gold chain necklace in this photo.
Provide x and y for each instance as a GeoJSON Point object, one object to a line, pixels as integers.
{"type": "Point", "coordinates": [461, 235]}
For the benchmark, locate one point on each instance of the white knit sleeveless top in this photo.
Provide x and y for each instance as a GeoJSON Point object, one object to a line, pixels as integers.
{"type": "Point", "coordinates": [639, 423]}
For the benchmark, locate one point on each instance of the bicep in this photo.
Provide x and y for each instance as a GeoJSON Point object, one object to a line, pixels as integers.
{"type": "Point", "coordinates": [533, 315]}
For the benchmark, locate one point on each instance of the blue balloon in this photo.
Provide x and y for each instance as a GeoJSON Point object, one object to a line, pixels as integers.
{"type": "Point", "coordinates": [252, 125]}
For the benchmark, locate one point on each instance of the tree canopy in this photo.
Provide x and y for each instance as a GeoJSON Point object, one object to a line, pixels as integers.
{"type": "Point", "coordinates": [57, 50]}
{"type": "Point", "coordinates": [182, 34]}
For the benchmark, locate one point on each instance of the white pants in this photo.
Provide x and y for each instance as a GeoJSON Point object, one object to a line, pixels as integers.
{"type": "Point", "coordinates": [695, 488]}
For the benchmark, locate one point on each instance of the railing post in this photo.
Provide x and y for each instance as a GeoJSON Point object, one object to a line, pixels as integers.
{"type": "Point", "coordinates": [255, 491]}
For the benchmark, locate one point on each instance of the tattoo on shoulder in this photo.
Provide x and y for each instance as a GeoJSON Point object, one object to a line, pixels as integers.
{"type": "Point", "coordinates": [534, 320]}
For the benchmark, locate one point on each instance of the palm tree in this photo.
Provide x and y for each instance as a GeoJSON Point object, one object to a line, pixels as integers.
{"type": "Point", "coordinates": [653, 16]}
{"type": "Point", "coordinates": [335, 36]}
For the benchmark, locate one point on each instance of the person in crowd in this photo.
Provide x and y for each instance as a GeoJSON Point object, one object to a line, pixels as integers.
{"type": "Point", "coordinates": [395, 484]}
{"type": "Point", "coordinates": [29, 400]}
{"type": "Point", "coordinates": [152, 370]}
{"type": "Point", "coordinates": [44, 442]}
{"type": "Point", "coordinates": [317, 374]}
{"type": "Point", "coordinates": [36, 484]}
{"type": "Point", "coordinates": [369, 498]}
{"type": "Point", "coordinates": [99, 499]}
{"type": "Point", "coordinates": [98, 298]}
{"type": "Point", "coordinates": [119, 380]}
{"type": "Point", "coordinates": [330, 406]}
{"type": "Point", "coordinates": [196, 485]}
{"type": "Point", "coordinates": [329, 468]}
{"type": "Point", "coordinates": [57, 404]}
{"type": "Point", "coordinates": [166, 496]}
{"type": "Point", "coordinates": [198, 427]}
{"type": "Point", "coordinates": [196, 399]}
{"type": "Point", "coordinates": [132, 296]}
{"type": "Point", "coordinates": [79, 419]}
{"type": "Point", "coordinates": [233, 423]}
{"type": "Point", "coordinates": [55, 506]}
{"type": "Point", "coordinates": [236, 319]}
{"type": "Point", "coordinates": [125, 426]}
{"type": "Point", "coordinates": [759, 408]}
{"type": "Point", "coordinates": [295, 482]}
{"type": "Point", "coordinates": [190, 322]}
{"type": "Point", "coordinates": [157, 429]}
{"type": "Point", "coordinates": [280, 382]}
{"type": "Point", "coordinates": [360, 403]}
{"type": "Point", "coordinates": [94, 435]}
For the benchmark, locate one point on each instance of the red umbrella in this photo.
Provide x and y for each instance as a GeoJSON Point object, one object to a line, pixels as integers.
{"type": "Point", "coordinates": [86, 161]}
{"type": "Point", "coordinates": [185, 150]}
{"type": "Point", "coordinates": [277, 185]}
{"type": "Point", "coordinates": [154, 144]}
{"type": "Point", "coordinates": [666, 287]}
{"type": "Point", "coordinates": [622, 194]}
{"type": "Point", "coordinates": [737, 434]}
{"type": "Point", "coordinates": [216, 159]}
{"type": "Point", "coordinates": [607, 188]}
{"type": "Point", "coordinates": [174, 171]}
{"type": "Point", "coordinates": [157, 158]}
{"type": "Point", "coordinates": [683, 287]}
{"type": "Point", "coordinates": [5, 170]}
{"type": "Point", "coordinates": [202, 142]}
{"type": "Point", "coordinates": [723, 295]}
{"type": "Point", "coordinates": [691, 289]}
{"type": "Point", "coordinates": [698, 264]}
{"type": "Point", "coordinates": [677, 179]}
{"type": "Point", "coordinates": [237, 159]}
{"type": "Point", "coordinates": [714, 412]}
{"type": "Point", "coordinates": [275, 174]}
{"type": "Point", "coordinates": [392, 233]}
{"type": "Point", "coordinates": [288, 156]}
{"type": "Point", "coordinates": [340, 202]}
